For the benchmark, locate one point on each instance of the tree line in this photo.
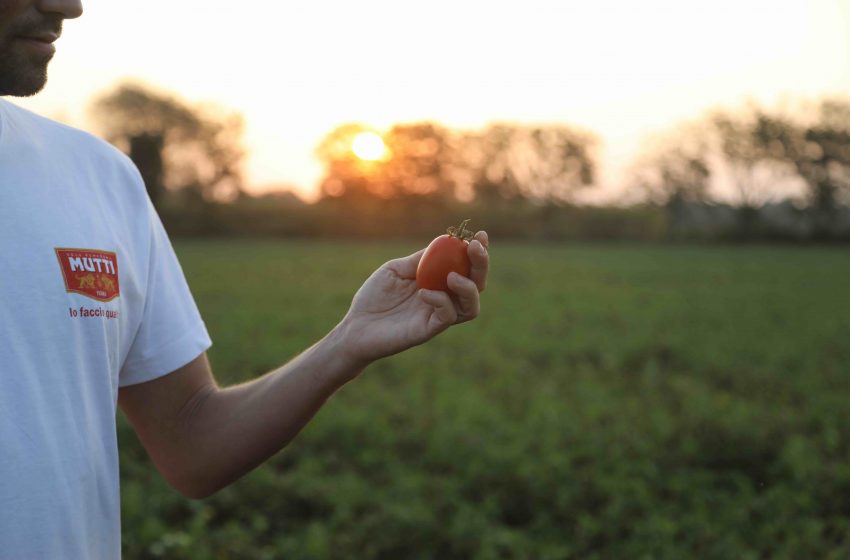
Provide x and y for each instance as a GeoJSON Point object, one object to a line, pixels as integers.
{"type": "Point", "coordinates": [749, 173]}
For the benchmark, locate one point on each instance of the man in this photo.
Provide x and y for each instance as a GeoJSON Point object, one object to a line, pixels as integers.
{"type": "Point", "coordinates": [95, 312]}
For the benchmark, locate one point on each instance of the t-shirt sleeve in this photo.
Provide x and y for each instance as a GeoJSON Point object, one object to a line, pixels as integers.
{"type": "Point", "coordinates": [171, 332]}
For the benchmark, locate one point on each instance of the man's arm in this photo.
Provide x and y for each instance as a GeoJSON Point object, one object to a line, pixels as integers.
{"type": "Point", "coordinates": [202, 437]}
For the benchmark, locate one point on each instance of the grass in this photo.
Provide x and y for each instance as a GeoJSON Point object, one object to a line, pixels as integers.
{"type": "Point", "coordinates": [611, 401]}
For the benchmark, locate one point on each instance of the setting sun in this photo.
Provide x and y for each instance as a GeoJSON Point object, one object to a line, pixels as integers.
{"type": "Point", "coordinates": [368, 146]}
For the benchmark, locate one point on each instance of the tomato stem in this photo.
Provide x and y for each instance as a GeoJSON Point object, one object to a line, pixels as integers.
{"type": "Point", "coordinates": [460, 232]}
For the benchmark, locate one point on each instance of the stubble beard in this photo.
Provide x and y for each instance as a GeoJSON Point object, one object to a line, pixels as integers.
{"type": "Point", "coordinates": [22, 75]}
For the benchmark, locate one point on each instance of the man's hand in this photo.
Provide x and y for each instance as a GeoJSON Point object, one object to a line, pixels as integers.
{"type": "Point", "coordinates": [202, 437]}
{"type": "Point", "coordinates": [390, 314]}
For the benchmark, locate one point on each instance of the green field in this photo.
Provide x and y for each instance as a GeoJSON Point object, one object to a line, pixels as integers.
{"type": "Point", "coordinates": [610, 402]}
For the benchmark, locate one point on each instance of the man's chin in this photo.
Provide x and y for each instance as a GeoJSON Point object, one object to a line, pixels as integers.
{"type": "Point", "coordinates": [23, 88]}
{"type": "Point", "coordinates": [23, 78]}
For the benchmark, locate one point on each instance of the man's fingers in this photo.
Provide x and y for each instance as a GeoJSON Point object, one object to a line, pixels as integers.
{"type": "Point", "coordinates": [444, 314]}
{"type": "Point", "coordinates": [405, 267]}
{"type": "Point", "coordinates": [479, 259]}
{"type": "Point", "coordinates": [466, 293]}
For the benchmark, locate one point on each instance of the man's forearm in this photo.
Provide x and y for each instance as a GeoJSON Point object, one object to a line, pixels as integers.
{"type": "Point", "coordinates": [224, 433]}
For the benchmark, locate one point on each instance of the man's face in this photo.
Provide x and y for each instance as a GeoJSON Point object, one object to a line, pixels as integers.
{"type": "Point", "coordinates": [27, 31]}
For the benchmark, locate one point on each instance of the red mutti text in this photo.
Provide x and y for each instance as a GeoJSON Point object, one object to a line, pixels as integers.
{"type": "Point", "coordinates": [90, 272]}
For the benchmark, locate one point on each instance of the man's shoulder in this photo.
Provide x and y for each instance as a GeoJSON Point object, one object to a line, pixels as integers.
{"type": "Point", "coordinates": [52, 134]}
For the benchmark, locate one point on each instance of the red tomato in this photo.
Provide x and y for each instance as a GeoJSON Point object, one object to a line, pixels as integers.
{"type": "Point", "coordinates": [447, 253]}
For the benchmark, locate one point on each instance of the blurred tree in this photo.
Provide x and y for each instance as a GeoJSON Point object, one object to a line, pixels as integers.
{"type": "Point", "coordinates": [544, 164]}
{"type": "Point", "coordinates": [718, 158]}
{"type": "Point", "coordinates": [676, 173]}
{"type": "Point", "coordinates": [819, 151]}
{"type": "Point", "coordinates": [346, 175]}
{"type": "Point", "coordinates": [417, 163]}
{"type": "Point", "coordinates": [420, 163]}
{"type": "Point", "coordinates": [676, 170]}
{"type": "Point", "coordinates": [174, 145]}
{"type": "Point", "coordinates": [754, 177]}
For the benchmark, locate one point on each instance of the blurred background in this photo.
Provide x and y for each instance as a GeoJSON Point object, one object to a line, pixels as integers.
{"type": "Point", "coordinates": [617, 120]}
{"type": "Point", "coordinates": [661, 366]}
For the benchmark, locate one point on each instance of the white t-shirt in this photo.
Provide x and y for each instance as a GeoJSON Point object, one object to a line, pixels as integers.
{"type": "Point", "coordinates": [92, 298]}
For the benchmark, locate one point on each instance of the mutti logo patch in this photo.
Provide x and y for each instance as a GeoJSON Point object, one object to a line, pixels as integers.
{"type": "Point", "coordinates": [90, 272]}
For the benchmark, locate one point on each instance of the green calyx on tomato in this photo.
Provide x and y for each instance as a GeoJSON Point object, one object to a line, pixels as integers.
{"type": "Point", "coordinates": [460, 232]}
{"type": "Point", "coordinates": [445, 254]}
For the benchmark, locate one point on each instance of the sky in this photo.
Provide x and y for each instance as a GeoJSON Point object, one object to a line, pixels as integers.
{"type": "Point", "coordinates": [296, 70]}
